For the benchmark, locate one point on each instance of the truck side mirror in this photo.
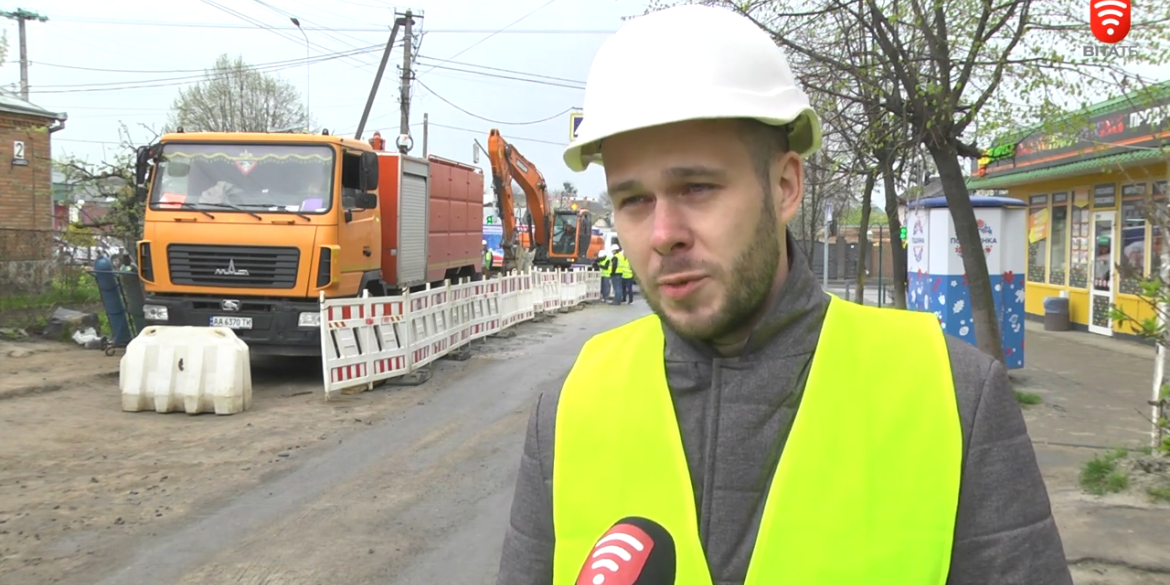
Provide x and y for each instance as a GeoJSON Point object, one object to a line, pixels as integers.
{"type": "Point", "coordinates": [141, 158]}
{"type": "Point", "coordinates": [369, 172]}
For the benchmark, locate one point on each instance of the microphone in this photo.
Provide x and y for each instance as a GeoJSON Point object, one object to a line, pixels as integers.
{"type": "Point", "coordinates": [635, 551]}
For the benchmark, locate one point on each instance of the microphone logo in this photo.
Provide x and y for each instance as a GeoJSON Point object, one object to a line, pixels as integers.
{"type": "Point", "coordinates": [618, 557]}
{"type": "Point", "coordinates": [1109, 19]}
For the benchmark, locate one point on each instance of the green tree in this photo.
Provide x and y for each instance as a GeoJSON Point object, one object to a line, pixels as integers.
{"type": "Point", "coordinates": [235, 97]}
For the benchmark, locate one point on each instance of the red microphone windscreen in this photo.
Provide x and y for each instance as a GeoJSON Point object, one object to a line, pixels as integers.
{"type": "Point", "coordinates": [618, 557]}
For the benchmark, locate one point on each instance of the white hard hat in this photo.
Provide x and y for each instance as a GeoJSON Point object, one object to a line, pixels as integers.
{"type": "Point", "coordinates": [614, 248]}
{"type": "Point", "coordinates": [689, 63]}
{"type": "Point", "coordinates": [485, 242]}
{"type": "Point", "coordinates": [603, 254]}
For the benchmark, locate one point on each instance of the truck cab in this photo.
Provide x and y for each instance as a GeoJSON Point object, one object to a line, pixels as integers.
{"type": "Point", "coordinates": [246, 230]}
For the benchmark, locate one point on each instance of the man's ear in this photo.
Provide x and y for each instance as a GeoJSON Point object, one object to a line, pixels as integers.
{"type": "Point", "coordinates": [787, 185]}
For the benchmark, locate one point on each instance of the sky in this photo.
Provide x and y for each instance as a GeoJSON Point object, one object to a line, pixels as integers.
{"type": "Point", "coordinates": [518, 66]}
{"type": "Point", "coordinates": [118, 61]}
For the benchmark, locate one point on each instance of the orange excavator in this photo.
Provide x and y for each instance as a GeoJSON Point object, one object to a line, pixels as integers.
{"type": "Point", "coordinates": [557, 238]}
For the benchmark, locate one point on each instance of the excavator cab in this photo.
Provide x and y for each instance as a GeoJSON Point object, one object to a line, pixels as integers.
{"type": "Point", "coordinates": [572, 234]}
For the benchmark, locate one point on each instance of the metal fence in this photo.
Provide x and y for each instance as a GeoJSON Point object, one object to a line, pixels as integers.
{"type": "Point", "coordinates": [40, 271]}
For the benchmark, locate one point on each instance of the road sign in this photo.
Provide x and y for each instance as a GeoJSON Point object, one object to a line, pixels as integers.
{"type": "Point", "coordinates": [575, 122]}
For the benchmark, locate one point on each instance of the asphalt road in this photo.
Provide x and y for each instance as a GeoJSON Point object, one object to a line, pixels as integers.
{"type": "Point", "coordinates": [422, 496]}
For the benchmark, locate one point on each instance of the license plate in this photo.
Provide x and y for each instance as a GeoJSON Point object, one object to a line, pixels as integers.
{"type": "Point", "coordinates": [232, 322]}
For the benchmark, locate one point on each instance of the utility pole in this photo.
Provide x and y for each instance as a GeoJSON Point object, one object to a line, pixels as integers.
{"type": "Point", "coordinates": [378, 79]}
{"type": "Point", "coordinates": [407, 57]}
{"type": "Point", "coordinates": [21, 15]}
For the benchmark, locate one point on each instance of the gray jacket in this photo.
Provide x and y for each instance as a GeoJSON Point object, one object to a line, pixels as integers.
{"type": "Point", "coordinates": [735, 414]}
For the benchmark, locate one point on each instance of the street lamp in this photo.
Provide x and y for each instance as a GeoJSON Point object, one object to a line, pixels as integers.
{"type": "Point", "coordinates": [308, 78]}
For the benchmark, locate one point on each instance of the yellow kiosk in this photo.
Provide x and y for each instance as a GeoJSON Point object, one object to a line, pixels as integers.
{"type": "Point", "coordinates": [1087, 179]}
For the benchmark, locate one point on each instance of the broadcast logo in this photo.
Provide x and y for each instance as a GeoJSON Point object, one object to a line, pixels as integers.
{"type": "Point", "coordinates": [1109, 19]}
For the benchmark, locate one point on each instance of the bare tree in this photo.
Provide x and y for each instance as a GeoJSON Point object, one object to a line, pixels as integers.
{"type": "Point", "coordinates": [938, 74]}
{"type": "Point", "coordinates": [235, 97]}
{"type": "Point", "coordinates": [111, 179]}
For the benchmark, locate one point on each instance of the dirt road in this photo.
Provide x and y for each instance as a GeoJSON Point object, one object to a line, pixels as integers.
{"type": "Point", "coordinates": [392, 484]}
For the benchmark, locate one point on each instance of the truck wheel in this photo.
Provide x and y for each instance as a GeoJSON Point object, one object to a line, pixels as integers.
{"type": "Point", "coordinates": [376, 289]}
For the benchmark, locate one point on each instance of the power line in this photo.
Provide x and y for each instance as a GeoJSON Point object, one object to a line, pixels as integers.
{"type": "Point", "coordinates": [572, 83]}
{"type": "Point", "coordinates": [477, 116]}
{"type": "Point", "coordinates": [365, 29]}
{"type": "Point", "coordinates": [512, 71]}
{"type": "Point", "coordinates": [300, 61]}
{"type": "Point", "coordinates": [186, 76]}
{"type": "Point", "coordinates": [510, 137]}
{"type": "Point", "coordinates": [269, 28]}
{"type": "Point", "coordinates": [185, 79]}
{"type": "Point", "coordinates": [509, 77]}
{"type": "Point", "coordinates": [477, 43]}
{"type": "Point", "coordinates": [287, 15]}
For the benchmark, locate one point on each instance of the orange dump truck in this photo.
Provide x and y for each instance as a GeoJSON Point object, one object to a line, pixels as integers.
{"type": "Point", "coordinates": [246, 230]}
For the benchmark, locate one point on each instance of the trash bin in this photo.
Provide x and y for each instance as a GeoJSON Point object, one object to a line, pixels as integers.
{"type": "Point", "coordinates": [1056, 314]}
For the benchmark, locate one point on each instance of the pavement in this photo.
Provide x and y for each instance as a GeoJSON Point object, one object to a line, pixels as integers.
{"type": "Point", "coordinates": [1095, 391]}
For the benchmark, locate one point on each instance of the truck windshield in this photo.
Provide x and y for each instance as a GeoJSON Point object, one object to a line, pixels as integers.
{"type": "Point", "coordinates": [249, 178]}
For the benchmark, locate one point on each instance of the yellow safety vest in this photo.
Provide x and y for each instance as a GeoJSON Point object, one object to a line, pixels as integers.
{"type": "Point", "coordinates": [603, 264]}
{"type": "Point", "coordinates": [867, 487]}
{"type": "Point", "coordinates": [623, 266]}
{"type": "Point", "coordinates": [487, 259]}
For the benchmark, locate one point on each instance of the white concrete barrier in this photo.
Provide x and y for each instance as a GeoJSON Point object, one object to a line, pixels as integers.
{"type": "Point", "coordinates": [186, 369]}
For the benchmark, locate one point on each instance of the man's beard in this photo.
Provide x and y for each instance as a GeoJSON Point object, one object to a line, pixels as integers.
{"type": "Point", "coordinates": [747, 283]}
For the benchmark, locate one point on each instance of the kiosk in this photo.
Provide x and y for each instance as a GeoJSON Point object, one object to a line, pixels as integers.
{"type": "Point", "coordinates": [937, 282]}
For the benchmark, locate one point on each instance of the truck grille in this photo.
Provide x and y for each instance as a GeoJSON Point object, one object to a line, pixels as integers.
{"type": "Point", "coordinates": [233, 266]}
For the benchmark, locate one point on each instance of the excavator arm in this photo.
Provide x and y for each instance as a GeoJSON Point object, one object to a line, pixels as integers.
{"type": "Point", "coordinates": [508, 165]}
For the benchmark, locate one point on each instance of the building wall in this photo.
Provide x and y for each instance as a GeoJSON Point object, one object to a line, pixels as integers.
{"type": "Point", "coordinates": [26, 198]}
{"type": "Point", "coordinates": [1047, 278]}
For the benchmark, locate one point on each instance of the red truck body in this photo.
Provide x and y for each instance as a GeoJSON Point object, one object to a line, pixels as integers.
{"type": "Point", "coordinates": [432, 219]}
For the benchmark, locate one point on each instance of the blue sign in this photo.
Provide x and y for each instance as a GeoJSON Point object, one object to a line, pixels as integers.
{"type": "Point", "coordinates": [574, 123]}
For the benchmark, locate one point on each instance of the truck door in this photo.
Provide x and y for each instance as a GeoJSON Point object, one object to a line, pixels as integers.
{"type": "Point", "coordinates": [358, 231]}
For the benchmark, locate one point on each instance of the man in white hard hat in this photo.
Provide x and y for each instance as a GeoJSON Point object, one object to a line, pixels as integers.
{"type": "Point", "coordinates": [604, 262]}
{"type": "Point", "coordinates": [776, 432]}
{"type": "Point", "coordinates": [620, 268]}
{"type": "Point", "coordinates": [487, 258]}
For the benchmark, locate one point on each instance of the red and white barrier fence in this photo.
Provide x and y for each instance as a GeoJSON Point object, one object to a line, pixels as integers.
{"type": "Point", "coordinates": [369, 339]}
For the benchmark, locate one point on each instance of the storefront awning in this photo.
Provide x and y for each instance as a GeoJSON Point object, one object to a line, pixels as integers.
{"type": "Point", "coordinates": [1086, 167]}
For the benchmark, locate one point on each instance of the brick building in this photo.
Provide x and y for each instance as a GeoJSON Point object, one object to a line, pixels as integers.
{"type": "Point", "coordinates": [26, 191]}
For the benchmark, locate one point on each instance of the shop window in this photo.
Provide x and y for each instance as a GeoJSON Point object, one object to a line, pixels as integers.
{"type": "Point", "coordinates": [1160, 193]}
{"type": "Point", "coordinates": [1058, 236]}
{"type": "Point", "coordinates": [1133, 238]}
{"type": "Point", "coordinates": [1037, 238]}
{"type": "Point", "coordinates": [1080, 251]}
